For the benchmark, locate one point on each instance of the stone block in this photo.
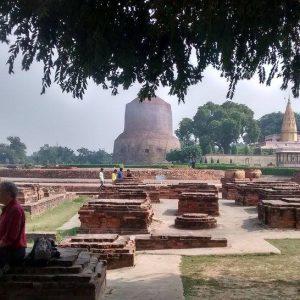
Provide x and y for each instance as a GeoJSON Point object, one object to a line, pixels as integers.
{"type": "Point", "coordinates": [76, 275]}
{"type": "Point", "coordinates": [118, 251]}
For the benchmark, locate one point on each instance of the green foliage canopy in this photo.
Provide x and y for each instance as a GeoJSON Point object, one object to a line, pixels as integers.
{"type": "Point", "coordinates": [168, 43]}
{"type": "Point", "coordinates": [221, 125]}
{"type": "Point", "coordinates": [14, 152]}
{"type": "Point", "coordinates": [185, 154]}
{"type": "Point", "coordinates": [63, 155]}
{"type": "Point", "coordinates": [271, 124]}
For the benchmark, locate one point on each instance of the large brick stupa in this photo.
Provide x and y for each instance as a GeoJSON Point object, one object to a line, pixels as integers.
{"type": "Point", "coordinates": [148, 133]}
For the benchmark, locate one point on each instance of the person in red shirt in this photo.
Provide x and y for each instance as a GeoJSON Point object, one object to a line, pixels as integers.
{"type": "Point", "coordinates": [12, 227]}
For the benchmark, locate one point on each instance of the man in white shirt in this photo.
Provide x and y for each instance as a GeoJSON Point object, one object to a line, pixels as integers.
{"type": "Point", "coordinates": [101, 177]}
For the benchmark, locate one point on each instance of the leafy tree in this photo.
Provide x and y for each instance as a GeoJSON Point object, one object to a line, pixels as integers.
{"type": "Point", "coordinates": [54, 155]}
{"type": "Point", "coordinates": [14, 152]}
{"type": "Point", "coordinates": [174, 156]}
{"type": "Point", "coordinates": [120, 42]}
{"type": "Point", "coordinates": [6, 154]}
{"type": "Point", "coordinates": [63, 155]}
{"type": "Point", "coordinates": [185, 132]}
{"type": "Point", "coordinates": [86, 156]}
{"type": "Point", "coordinates": [186, 153]}
{"type": "Point", "coordinates": [221, 125]}
{"type": "Point", "coordinates": [234, 149]}
{"type": "Point", "coordinates": [192, 151]}
{"type": "Point", "coordinates": [271, 124]}
{"type": "Point", "coordinates": [18, 148]}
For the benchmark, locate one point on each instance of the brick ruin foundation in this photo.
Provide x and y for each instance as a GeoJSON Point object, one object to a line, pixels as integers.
{"type": "Point", "coordinates": [37, 199]}
{"type": "Point", "coordinates": [198, 202]}
{"type": "Point", "coordinates": [159, 242]}
{"type": "Point", "coordinates": [195, 221]}
{"type": "Point", "coordinates": [173, 191]}
{"type": "Point", "coordinates": [140, 174]}
{"type": "Point", "coordinates": [76, 275]}
{"type": "Point", "coordinates": [116, 216]}
{"type": "Point", "coordinates": [118, 251]}
{"type": "Point", "coordinates": [283, 213]}
{"type": "Point", "coordinates": [250, 193]}
{"type": "Point", "coordinates": [278, 202]}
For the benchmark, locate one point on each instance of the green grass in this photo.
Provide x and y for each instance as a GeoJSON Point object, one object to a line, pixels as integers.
{"type": "Point", "coordinates": [244, 277]}
{"type": "Point", "coordinates": [56, 217]}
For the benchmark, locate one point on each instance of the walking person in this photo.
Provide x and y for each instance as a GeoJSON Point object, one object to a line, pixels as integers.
{"type": "Point", "coordinates": [101, 178]}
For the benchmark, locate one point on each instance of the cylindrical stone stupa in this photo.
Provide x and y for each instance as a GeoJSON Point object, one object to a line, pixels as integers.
{"type": "Point", "coordinates": [148, 133]}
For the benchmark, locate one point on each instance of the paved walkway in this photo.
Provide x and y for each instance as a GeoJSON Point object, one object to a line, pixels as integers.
{"type": "Point", "coordinates": [155, 277]}
{"type": "Point", "coordinates": [236, 223]}
{"type": "Point", "coordinates": [156, 274]}
{"type": "Point", "coordinates": [72, 223]}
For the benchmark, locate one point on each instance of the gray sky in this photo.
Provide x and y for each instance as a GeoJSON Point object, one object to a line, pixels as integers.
{"type": "Point", "coordinates": [95, 121]}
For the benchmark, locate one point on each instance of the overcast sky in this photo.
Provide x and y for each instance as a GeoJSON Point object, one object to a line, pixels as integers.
{"type": "Point", "coordinates": [95, 121]}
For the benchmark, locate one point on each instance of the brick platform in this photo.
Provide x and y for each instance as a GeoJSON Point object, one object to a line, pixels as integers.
{"type": "Point", "coordinates": [116, 216]}
{"type": "Point", "coordinates": [280, 213]}
{"type": "Point", "coordinates": [250, 193]}
{"type": "Point", "coordinates": [77, 275]}
{"type": "Point", "coordinates": [123, 194]}
{"type": "Point", "coordinates": [195, 221]}
{"type": "Point", "coordinates": [118, 251]}
{"type": "Point", "coordinates": [205, 203]}
{"type": "Point", "coordinates": [173, 191]}
{"type": "Point", "coordinates": [158, 242]}
{"type": "Point", "coordinates": [229, 191]}
{"type": "Point", "coordinates": [37, 199]}
{"type": "Point", "coordinates": [45, 204]}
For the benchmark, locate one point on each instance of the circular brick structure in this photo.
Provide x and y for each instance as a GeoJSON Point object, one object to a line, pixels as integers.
{"type": "Point", "coordinates": [195, 221]}
{"type": "Point", "coordinates": [148, 133]}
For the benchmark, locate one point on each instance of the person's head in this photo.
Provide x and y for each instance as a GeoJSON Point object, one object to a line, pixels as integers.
{"type": "Point", "coordinates": [115, 171]}
{"type": "Point", "coordinates": [128, 171]}
{"type": "Point", "coordinates": [8, 192]}
{"type": "Point", "coordinates": [101, 170]}
{"type": "Point", "coordinates": [121, 169]}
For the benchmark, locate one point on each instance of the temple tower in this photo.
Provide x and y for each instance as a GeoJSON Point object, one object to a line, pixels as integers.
{"type": "Point", "coordinates": [289, 127]}
{"type": "Point", "coordinates": [148, 133]}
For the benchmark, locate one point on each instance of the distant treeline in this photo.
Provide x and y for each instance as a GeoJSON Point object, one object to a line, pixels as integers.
{"type": "Point", "coordinates": [14, 152]}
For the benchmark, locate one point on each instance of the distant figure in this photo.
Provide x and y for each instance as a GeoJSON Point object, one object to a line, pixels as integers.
{"type": "Point", "coordinates": [193, 163]}
{"type": "Point", "coordinates": [128, 173]}
{"type": "Point", "coordinates": [101, 178]}
{"type": "Point", "coordinates": [12, 228]}
{"type": "Point", "coordinates": [120, 174]}
{"type": "Point", "coordinates": [114, 176]}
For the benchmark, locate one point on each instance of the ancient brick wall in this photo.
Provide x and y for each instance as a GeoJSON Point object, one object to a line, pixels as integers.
{"type": "Point", "coordinates": [158, 242]}
{"type": "Point", "coordinates": [141, 174]}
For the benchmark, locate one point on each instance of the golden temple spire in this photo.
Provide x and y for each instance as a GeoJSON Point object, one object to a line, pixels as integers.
{"type": "Point", "coordinates": [289, 127]}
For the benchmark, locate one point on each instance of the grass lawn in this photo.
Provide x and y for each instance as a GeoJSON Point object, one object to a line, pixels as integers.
{"type": "Point", "coordinates": [244, 277]}
{"type": "Point", "coordinates": [56, 217]}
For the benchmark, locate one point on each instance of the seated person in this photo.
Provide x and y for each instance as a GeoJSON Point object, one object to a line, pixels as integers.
{"type": "Point", "coordinates": [12, 228]}
{"type": "Point", "coordinates": [114, 176]}
{"type": "Point", "coordinates": [128, 173]}
{"type": "Point", "coordinates": [120, 174]}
